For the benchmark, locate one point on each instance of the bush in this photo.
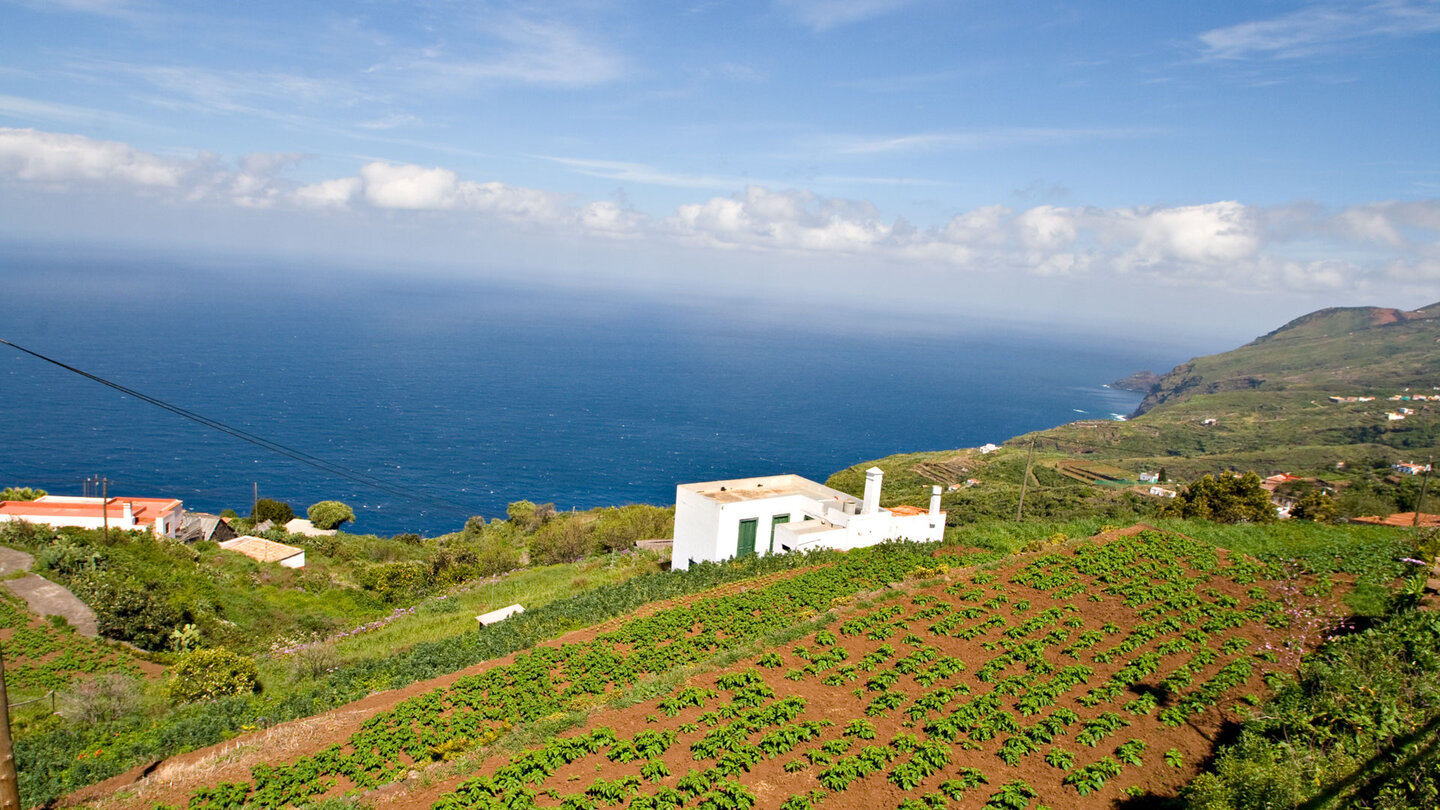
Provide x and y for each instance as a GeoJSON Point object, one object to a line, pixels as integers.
{"type": "Point", "coordinates": [527, 516]}
{"type": "Point", "coordinates": [329, 514]}
{"type": "Point", "coordinates": [496, 555]}
{"type": "Point", "coordinates": [211, 674]}
{"type": "Point", "coordinates": [127, 609]}
{"type": "Point", "coordinates": [278, 512]}
{"type": "Point", "coordinates": [21, 494]}
{"type": "Point", "coordinates": [618, 529]}
{"type": "Point", "coordinates": [393, 582]}
{"type": "Point", "coordinates": [560, 541]}
{"type": "Point", "coordinates": [102, 698]}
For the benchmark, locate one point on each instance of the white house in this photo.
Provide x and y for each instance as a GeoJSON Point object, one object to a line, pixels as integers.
{"type": "Point", "coordinates": [163, 516]}
{"type": "Point", "coordinates": [720, 520]}
{"type": "Point", "coordinates": [1149, 477]}
{"type": "Point", "coordinates": [1162, 492]}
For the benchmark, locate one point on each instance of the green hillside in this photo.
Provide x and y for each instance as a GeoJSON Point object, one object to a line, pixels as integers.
{"type": "Point", "coordinates": [1265, 406]}
{"type": "Point", "coordinates": [1343, 350]}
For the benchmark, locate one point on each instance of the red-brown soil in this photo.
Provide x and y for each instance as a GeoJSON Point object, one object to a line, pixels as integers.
{"type": "Point", "coordinates": [173, 781]}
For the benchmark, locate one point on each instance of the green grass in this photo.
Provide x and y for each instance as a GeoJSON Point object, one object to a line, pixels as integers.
{"type": "Point", "coordinates": [452, 614]}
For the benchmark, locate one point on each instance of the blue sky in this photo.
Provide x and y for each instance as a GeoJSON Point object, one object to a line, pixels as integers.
{"type": "Point", "coordinates": [1047, 159]}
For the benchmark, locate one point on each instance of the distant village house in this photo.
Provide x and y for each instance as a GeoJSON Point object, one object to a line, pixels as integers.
{"type": "Point", "coordinates": [162, 516]}
{"type": "Point", "coordinates": [197, 526]}
{"type": "Point", "coordinates": [721, 520]}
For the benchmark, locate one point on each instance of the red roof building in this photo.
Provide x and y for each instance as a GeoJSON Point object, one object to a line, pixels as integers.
{"type": "Point", "coordinates": [163, 516]}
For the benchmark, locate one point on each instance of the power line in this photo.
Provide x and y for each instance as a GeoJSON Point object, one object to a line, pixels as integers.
{"type": "Point", "coordinates": [301, 456]}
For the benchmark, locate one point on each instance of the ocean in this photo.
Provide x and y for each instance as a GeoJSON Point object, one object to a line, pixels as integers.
{"type": "Point", "coordinates": [463, 396]}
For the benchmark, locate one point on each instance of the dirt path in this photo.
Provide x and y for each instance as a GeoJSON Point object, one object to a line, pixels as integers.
{"type": "Point", "coordinates": [45, 597]}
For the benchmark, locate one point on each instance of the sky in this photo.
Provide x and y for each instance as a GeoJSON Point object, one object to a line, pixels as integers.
{"type": "Point", "coordinates": [1198, 167]}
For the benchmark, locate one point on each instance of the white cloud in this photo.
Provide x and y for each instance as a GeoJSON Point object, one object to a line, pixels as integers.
{"type": "Point", "coordinates": [825, 14]}
{"type": "Point", "coordinates": [1223, 245]}
{"type": "Point", "coordinates": [409, 186]}
{"type": "Point", "coordinates": [329, 193]}
{"type": "Point", "coordinates": [57, 158]}
{"type": "Point", "coordinates": [1322, 27]}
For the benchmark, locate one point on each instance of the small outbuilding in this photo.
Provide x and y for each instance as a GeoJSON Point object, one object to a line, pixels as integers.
{"type": "Point", "coordinates": [262, 550]}
{"type": "Point", "coordinates": [487, 619]}
{"type": "Point", "coordinates": [197, 526]}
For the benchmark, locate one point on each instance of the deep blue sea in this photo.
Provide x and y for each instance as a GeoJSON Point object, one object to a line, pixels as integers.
{"type": "Point", "coordinates": [478, 395]}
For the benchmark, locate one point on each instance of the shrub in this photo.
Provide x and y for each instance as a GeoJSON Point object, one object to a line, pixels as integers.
{"type": "Point", "coordinates": [102, 698]}
{"type": "Point", "coordinates": [278, 512]}
{"type": "Point", "coordinates": [527, 516]}
{"type": "Point", "coordinates": [210, 674]}
{"type": "Point", "coordinates": [496, 555]}
{"type": "Point", "coordinates": [560, 541]}
{"type": "Point", "coordinates": [21, 494]}
{"type": "Point", "coordinates": [127, 609]}
{"type": "Point", "coordinates": [395, 581]}
{"type": "Point", "coordinates": [329, 514]}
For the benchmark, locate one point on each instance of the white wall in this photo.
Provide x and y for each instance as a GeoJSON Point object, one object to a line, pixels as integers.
{"type": "Point", "coordinates": [708, 530]}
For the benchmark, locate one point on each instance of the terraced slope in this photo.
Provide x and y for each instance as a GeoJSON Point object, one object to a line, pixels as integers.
{"type": "Point", "coordinates": [1068, 677]}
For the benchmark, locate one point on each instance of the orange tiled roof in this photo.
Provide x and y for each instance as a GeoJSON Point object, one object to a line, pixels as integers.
{"type": "Point", "coordinates": [904, 509]}
{"type": "Point", "coordinates": [145, 510]}
{"type": "Point", "coordinates": [1400, 519]}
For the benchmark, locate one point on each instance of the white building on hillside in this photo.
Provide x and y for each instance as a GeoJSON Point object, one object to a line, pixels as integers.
{"type": "Point", "coordinates": [163, 516]}
{"type": "Point", "coordinates": [720, 520]}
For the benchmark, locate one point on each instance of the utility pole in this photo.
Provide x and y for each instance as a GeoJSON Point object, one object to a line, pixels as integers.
{"type": "Point", "coordinates": [1415, 523]}
{"type": "Point", "coordinates": [1024, 482]}
{"type": "Point", "coordinates": [9, 784]}
{"type": "Point", "coordinates": [105, 505]}
{"type": "Point", "coordinates": [256, 500]}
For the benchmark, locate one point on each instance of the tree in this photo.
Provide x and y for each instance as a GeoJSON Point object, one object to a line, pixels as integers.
{"type": "Point", "coordinates": [1316, 506]}
{"type": "Point", "coordinates": [1227, 499]}
{"type": "Point", "coordinates": [1162, 477]}
{"type": "Point", "coordinates": [277, 512]}
{"type": "Point", "coordinates": [329, 514]}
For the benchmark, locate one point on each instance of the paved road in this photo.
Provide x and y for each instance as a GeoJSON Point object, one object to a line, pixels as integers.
{"type": "Point", "coordinates": [45, 597]}
{"type": "Point", "coordinates": [12, 561]}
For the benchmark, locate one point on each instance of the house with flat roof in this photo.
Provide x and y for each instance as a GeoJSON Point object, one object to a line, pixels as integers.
{"type": "Point", "coordinates": [722, 520]}
{"type": "Point", "coordinates": [262, 550]}
{"type": "Point", "coordinates": [163, 516]}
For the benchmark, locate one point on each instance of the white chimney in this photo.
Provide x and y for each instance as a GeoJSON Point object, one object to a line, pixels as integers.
{"type": "Point", "coordinates": [934, 504]}
{"type": "Point", "coordinates": [127, 514]}
{"type": "Point", "coordinates": [873, 478]}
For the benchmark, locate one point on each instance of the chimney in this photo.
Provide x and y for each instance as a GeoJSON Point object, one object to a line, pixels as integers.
{"type": "Point", "coordinates": [128, 515]}
{"type": "Point", "coordinates": [934, 504]}
{"type": "Point", "coordinates": [873, 478]}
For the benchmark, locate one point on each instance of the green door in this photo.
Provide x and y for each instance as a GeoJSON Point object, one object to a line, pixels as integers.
{"type": "Point", "coordinates": [776, 521]}
{"type": "Point", "coordinates": [746, 546]}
